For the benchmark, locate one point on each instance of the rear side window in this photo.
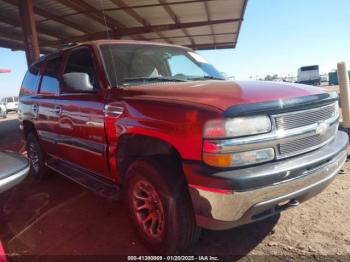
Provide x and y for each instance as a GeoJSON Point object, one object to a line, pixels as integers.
{"type": "Point", "coordinates": [30, 81]}
{"type": "Point", "coordinates": [50, 84]}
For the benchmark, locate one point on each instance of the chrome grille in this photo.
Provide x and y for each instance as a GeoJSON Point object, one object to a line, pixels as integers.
{"type": "Point", "coordinates": [305, 117]}
{"type": "Point", "coordinates": [307, 143]}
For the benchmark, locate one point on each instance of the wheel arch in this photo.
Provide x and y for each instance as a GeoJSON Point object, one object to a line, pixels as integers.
{"type": "Point", "coordinates": [28, 127]}
{"type": "Point", "coordinates": [133, 147]}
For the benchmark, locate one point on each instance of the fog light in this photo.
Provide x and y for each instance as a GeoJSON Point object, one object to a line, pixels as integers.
{"type": "Point", "coordinates": [239, 158]}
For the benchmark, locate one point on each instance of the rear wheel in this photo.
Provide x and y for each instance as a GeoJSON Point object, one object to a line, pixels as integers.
{"type": "Point", "coordinates": [36, 156]}
{"type": "Point", "coordinates": [161, 207]}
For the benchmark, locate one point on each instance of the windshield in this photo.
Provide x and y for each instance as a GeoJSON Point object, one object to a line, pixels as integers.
{"type": "Point", "coordinates": [132, 64]}
{"type": "Point", "coordinates": [9, 99]}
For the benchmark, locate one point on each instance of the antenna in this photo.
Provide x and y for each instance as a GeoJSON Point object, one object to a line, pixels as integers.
{"type": "Point", "coordinates": [109, 48]}
{"type": "Point", "coordinates": [104, 18]}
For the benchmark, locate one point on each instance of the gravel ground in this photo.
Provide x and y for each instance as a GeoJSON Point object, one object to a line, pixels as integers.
{"type": "Point", "coordinates": [58, 217]}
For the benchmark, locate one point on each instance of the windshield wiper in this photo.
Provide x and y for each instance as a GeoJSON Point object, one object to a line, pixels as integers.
{"type": "Point", "coordinates": [150, 79]}
{"type": "Point", "coordinates": [207, 78]}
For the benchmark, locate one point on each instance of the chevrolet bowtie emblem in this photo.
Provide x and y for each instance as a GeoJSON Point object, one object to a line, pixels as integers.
{"type": "Point", "coordinates": [321, 128]}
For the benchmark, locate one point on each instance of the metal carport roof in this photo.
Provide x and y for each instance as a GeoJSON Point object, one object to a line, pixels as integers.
{"type": "Point", "coordinates": [199, 24]}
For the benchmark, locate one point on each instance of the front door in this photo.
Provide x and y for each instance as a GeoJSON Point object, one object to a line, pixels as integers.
{"type": "Point", "coordinates": [81, 122]}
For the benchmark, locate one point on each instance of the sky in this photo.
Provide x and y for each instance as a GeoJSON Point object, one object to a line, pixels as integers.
{"type": "Point", "coordinates": [277, 37]}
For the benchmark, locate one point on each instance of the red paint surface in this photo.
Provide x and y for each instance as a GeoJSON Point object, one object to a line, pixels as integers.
{"type": "Point", "coordinates": [222, 94]}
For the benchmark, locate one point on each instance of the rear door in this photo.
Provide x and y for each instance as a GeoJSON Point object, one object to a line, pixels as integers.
{"type": "Point", "coordinates": [29, 89]}
{"type": "Point", "coordinates": [81, 123]}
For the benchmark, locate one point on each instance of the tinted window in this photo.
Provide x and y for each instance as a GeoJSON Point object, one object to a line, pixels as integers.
{"type": "Point", "coordinates": [81, 61]}
{"type": "Point", "coordinates": [30, 81]}
{"type": "Point", "coordinates": [50, 83]}
{"type": "Point", "coordinates": [9, 99]}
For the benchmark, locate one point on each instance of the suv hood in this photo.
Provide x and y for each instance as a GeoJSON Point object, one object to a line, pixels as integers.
{"type": "Point", "coordinates": [221, 94]}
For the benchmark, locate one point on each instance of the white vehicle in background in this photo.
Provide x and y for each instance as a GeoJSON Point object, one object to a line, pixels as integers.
{"type": "Point", "coordinates": [11, 103]}
{"type": "Point", "coordinates": [309, 75]}
{"type": "Point", "coordinates": [3, 111]}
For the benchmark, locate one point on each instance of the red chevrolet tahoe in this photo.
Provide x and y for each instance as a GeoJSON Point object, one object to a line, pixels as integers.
{"type": "Point", "coordinates": [191, 149]}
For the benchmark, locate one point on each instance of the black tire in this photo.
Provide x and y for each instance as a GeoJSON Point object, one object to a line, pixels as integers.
{"type": "Point", "coordinates": [179, 230]}
{"type": "Point", "coordinates": [36, 156]}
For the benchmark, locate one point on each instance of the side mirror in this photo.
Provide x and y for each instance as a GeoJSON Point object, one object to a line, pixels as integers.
{"type": "Point", "coordinates": [78, 81]}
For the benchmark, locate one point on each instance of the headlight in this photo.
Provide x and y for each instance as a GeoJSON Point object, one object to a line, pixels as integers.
{"type": "Point", "coordinates": [238, 126]}
{"type": "Point", "coordinates": [239, 158]}
{"type": "Point", "coordinates": [231, 128]}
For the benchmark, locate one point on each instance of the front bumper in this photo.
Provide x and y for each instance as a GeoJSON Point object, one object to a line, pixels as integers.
{"type": "Point", "coordinates": [258, 192]}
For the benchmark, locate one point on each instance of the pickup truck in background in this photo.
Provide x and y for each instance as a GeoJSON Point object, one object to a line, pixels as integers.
{"type": "Point", "coordinates": [191, 149]}
{"type": "Point", "coordinates": [10, 103]}
{"type": "Point", "coordinates": [3, 111]}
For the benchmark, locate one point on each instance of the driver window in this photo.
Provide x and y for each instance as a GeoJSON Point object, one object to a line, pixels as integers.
{"type": "Point", "coordinates": [81, 61]}
{"type": "Point", "coordinates": [180, 65]}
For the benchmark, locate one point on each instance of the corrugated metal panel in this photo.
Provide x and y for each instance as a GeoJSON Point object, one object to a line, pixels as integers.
{"type": "Point", "coordinates": [150, 36]}
{"type": "Point", "coordinates": [101, 4]}
{"type": "Point", "coordinates": [58, 28]}
{"type": "Point", "coordinates": [89, 23]}
{"type": "Point", "coordinates": [141, 2]}
{"type": "Point", "coordinates": [182, 41]}
{"type": "Point", "coordinates": [154, 15]}
{"type": "Point", "coordinates": [226, 28]}
{"type": "Point", "coordinates": [203, 39]}
{"type": "Point", "coordinates": [200, 30]}
{"type": "Point", "coordinates": [190, 12]}
{"type": "Point", "coordinates": [225, 38]}
{"type": "Point", "coordinates": [124, 18]}
{"type": "Point", "coordinates": [54, 7]}
{"type": "Point", "coordinates": [173, 33]}
{"type": "Point", "coordinates": [225, 9]}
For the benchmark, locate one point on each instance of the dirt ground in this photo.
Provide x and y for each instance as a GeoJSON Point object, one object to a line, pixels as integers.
{"type": "Point", "coordinates": [60, 219]}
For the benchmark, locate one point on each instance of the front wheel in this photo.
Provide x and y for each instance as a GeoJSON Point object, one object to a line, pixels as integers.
{"type": "Point", "coordinates": [161, 211]}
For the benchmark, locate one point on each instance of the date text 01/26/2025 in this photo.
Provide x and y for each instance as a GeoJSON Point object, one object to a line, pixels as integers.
{"type": "Point", "coordinates": [173, 258]}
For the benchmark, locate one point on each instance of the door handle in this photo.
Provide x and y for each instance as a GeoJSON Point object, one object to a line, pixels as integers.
{"type": "Point", "coordinates": [35, 108]}
{"type": "Point", "coordinates": [57, 110]}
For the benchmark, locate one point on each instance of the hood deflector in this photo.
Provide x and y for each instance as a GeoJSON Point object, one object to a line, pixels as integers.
{"type": "Point", "coordinates": [281, 106]}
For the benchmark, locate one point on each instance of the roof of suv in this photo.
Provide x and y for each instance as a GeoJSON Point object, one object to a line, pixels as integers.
{"type": "Point", "coordinates": [105, 41]}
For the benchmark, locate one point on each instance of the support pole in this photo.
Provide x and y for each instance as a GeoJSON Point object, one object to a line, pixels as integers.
{"type": "Point", "coordinates": [29, 30]}
{"type": "Point", "coordinates": [343, 80]}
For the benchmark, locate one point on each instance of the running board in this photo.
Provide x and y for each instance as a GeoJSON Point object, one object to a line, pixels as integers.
{"type": "Point", "coordinates": [101, 186]}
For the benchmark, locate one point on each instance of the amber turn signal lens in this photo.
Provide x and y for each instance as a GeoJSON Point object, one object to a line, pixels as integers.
{"type": "Point", "coordinates": [239, 158]}
{"type": "Point", "coordinates": [219, 160]}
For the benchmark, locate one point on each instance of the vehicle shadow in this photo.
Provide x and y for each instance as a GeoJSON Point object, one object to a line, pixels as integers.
{"type": "Point", "coordinates": [56, 217]}
{"type": "Point", "coordinates": [235, 243]}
